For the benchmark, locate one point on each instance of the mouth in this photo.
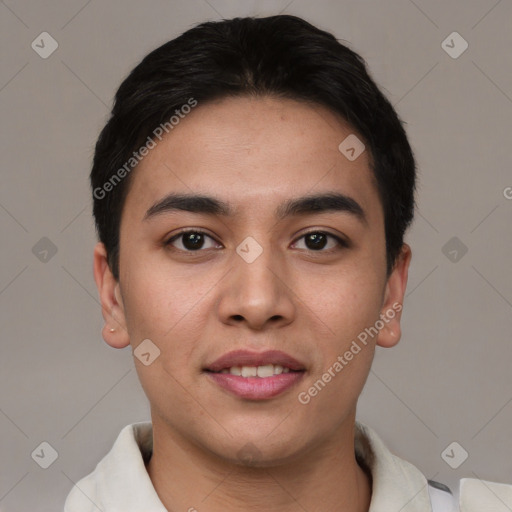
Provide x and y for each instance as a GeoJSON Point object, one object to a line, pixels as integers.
{"type": "Point", "coordinates": [262, 371]}
{"type": "Point", "coordinates": [255, 376]}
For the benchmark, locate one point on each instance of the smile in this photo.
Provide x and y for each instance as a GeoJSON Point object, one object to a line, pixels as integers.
{"type": "Point", "coordinates": [255, 376]}
{"type": "Point", "coordinates": [267, 370]}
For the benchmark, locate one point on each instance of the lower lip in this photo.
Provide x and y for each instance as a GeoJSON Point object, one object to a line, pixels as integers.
{"type": "Point", "coordinates": [256, 388]}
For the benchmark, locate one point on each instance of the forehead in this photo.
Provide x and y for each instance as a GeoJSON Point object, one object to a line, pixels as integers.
{"type": "Point", "coordinates": [253, 151]}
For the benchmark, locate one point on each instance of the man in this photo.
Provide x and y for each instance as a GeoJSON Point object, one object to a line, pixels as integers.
{"type": "Point", "coordinates": [251, 193]}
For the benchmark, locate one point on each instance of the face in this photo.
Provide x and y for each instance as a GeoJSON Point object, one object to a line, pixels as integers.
{"type": "Point", "coordinates": [254, 285]}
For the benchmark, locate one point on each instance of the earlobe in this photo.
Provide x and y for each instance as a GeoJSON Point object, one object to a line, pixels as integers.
{"type": "Point", "coordinates": [110, 297]}
{"type": "Point", "coordinates": [392, 306]}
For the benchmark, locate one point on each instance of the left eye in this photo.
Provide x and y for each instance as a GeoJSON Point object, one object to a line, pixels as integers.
{"type": "Point", "coordinates": [318, 240]}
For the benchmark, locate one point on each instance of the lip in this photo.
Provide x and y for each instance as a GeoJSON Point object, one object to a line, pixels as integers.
{"type": "Point", "coordinates": [255, 388]}
{"type": "Point", "coordinates": [248, 358]}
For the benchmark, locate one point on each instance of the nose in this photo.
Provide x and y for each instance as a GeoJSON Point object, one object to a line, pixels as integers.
{"type": "Point", "coordinates": [257, 293]}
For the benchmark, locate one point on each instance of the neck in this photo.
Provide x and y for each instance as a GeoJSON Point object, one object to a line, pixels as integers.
{"type": "Point", "coordinates": [326, 478]}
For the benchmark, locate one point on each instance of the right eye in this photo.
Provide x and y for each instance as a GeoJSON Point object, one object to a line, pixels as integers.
{"type": "Point", "coordinates": [191, 240]}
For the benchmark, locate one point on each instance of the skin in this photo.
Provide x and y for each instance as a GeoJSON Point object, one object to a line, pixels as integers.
{"type": "Point", "coordinates": [253, 153]}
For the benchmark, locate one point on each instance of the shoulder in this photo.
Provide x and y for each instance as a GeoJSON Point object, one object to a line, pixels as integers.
{"type": "Point", "coordinates": [476, 495]}
{"type": "Point", "coordinates": [120, 477]}
{"type": "Point", "coordinates": [472, 495]}
{"type": "Point", "coordinates": [397, 483]}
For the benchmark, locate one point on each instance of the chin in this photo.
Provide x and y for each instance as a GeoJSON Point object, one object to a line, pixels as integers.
{"type": "Point", "coordinates": [260, 451]}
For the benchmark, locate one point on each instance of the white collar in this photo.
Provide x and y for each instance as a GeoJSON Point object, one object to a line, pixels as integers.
{"type": "Point", "coordinates": [120, 482]}
{"type": "Point", "coordinates": [397, 484]}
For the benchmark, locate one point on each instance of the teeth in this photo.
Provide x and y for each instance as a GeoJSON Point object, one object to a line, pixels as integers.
{"type": "Point", "coordinates": [265, 371]}
{"type": "Point", "coordinates": [249, 371]}
{"type": "Point", "coordinates": [256, 371]}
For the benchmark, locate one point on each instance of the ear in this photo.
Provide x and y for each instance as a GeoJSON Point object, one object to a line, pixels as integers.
{"type": "Point", "coordinates": [391, 312]}
{"type": "Point", "coordinates": [111, 302]}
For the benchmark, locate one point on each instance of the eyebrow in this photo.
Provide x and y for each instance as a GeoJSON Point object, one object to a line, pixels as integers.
{"type": "Point", "coordinates": [306, 205]}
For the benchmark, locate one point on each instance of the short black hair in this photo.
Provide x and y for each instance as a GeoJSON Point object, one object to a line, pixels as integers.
{"type": "Point", "coordinates": [281, 56]}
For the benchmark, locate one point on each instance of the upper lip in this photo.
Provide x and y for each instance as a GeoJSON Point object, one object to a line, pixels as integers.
{"type": "Point", "coordinates": [248, 358]}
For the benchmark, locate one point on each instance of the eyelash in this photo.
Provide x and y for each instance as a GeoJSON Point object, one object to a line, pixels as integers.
{"type": "Point", "coordinates": [341, 243]}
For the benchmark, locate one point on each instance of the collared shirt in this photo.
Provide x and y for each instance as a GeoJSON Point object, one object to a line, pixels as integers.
{"type": "Point", "coordinates": [120, 482]}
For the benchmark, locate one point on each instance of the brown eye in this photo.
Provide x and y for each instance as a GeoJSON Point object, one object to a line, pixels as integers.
{"type": "Point", "coordinates": [192, 240]}
{"type": "Point", "coordinates": [316, 240]}
{"type": "Point", "coordinates": [319, 240]}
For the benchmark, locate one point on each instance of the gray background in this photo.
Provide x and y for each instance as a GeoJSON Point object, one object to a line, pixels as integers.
{"type": "Point", "coordinates": [449, 379]}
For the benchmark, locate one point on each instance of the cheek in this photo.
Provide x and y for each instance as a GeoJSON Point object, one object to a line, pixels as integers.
{"type": "Point", "coordinates": [168, 310]}
{"type": "Point", "coordinates": [349, 302]}
{"type": "Point", "coordinates": [154, 303]}
{"type": "Point", "coordinates": [164, 314]}
{"type": "Point", "coordinates": [344, 353]}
